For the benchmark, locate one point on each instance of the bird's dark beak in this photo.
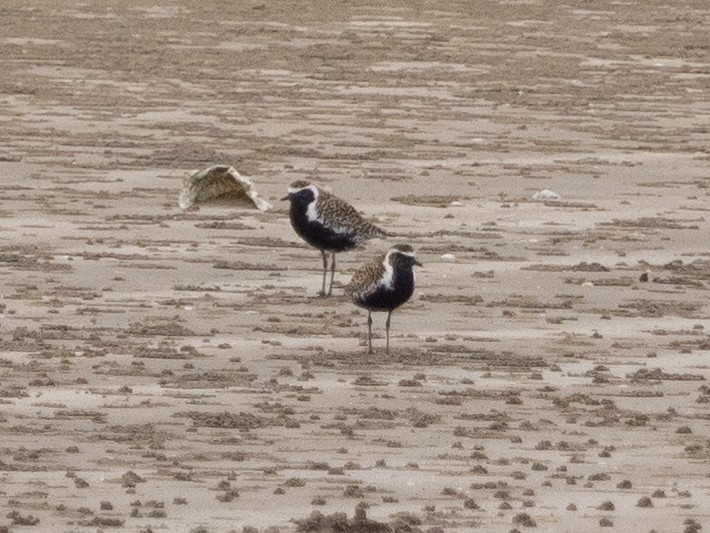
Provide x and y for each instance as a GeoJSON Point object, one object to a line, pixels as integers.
{"type": "Point", "coordinates": [418, 263]}
{"type": "Point", "coordinates": [287, 197]}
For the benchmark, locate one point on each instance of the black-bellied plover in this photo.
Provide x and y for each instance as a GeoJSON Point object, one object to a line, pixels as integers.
{"type": "Point", "coordinates": [384, 284]}
{"type": "Point", "coordinates": [328, 223]}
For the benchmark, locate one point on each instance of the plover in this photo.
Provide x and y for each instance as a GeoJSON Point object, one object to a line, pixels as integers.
{"type": "Point", "coordinates": [384, 284]}
{"type": "Point", "coordinates": [328, 223]}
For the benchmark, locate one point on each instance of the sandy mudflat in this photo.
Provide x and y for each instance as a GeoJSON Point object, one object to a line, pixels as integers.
{"type": "Point", "coordinates": [163, 370]}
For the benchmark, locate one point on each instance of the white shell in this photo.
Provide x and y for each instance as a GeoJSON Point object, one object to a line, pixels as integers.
{"type": "Point", "coordinates": [546, 194]}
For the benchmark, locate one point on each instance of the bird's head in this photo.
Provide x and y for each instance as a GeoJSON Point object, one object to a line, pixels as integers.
{"type": "Point", "coordinates": [303, 191]}
{"type": "Point", "coordinates": [403, 254]}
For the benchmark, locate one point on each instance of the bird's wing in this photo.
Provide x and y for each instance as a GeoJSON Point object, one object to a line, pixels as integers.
{"type": "Point", "coordinates": [342, 217]}
{"type": "Point", "coordinates": [366, 278]}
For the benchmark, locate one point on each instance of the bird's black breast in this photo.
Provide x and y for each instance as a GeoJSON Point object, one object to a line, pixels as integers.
{"type": "Point", "coordinates": [318, 234]}
{"type": "Point", "coordinates": [387, 299]}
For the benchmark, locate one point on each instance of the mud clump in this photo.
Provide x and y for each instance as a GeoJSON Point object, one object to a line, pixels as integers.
{"type": "Point", "coordinates": [656, 374]}
{"type": "Point", "coordinates": [317, 522]}
{"type": "Point", "coordinates": [241, 420]}
{"type": "Point", "coordinates": [19, 520]}
{"type": "Point", "coordinates": [130, 478]}
{"type": "Point", "coordinates": [153, 328]}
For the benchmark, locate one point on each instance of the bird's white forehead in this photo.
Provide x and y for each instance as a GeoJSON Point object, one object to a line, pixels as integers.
{"type": "Point", "coordinates": [313, 188]}
{"type": "Point", "coordinates": [395, 251]}
{"type": "Point", "coordinates": [406, 254]}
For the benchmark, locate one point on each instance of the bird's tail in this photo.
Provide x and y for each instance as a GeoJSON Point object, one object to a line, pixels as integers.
{"type": "Point", "coordinates": [370, 231]}
{"type": "Point", "coordinates": [379, 232]}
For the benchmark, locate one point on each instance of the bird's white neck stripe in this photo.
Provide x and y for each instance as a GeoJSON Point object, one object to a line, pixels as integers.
{"type": "Point", "coordinates": [312, 211]}
{"type": "Point", "coordinates": [388, 279]}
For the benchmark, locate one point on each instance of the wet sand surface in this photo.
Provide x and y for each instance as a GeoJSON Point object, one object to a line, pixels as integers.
{"type": "Point", "coordinates": [174, 370]}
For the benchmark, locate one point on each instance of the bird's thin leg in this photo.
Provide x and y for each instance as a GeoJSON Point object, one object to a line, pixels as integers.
{"type": "Point", "coordinates": [325, 270]}
{"type": "Point", "coordinates": [332, 275]}
{"type": "Point", "coordinates": [387, 328]}
{"type": "Point", "coordinates": [369, 332]}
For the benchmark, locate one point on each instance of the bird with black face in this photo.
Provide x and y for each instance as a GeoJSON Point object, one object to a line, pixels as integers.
{"type": "Point", "coordinates": [384, 284]}
{"type": "Point", "coordinates": [327, 223]}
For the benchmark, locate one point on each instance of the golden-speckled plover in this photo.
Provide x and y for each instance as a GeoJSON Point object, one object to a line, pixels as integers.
{"type": "Point", "coordinates": [328, 223]}
{"type": "Point", "coordinates": [384, 284]}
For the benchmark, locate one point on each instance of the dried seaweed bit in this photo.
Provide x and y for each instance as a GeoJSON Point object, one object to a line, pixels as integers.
{"type": "Point", "coordinates": [220, 184]}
